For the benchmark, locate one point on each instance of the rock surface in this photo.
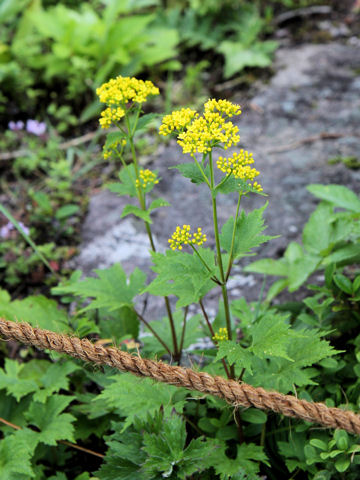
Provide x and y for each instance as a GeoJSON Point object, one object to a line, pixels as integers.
{"type": "Point", "coordinates": [307, 114]}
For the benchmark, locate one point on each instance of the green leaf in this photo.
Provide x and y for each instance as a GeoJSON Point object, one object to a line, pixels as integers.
{"type": "Point", "coordinates": [149, 398]}
{"type": "Point", "coordinates": [167, 454]}
{"type": "Point", "coordinates": [248, 233]}
{"type": "Point", "coordinates": [126, 186]}
{"type": "Point", "coordinates": [157, 203]}
{"type": "Point", "coordinates": [191, 170]}
{"type": "Point", "coordinates": [111, 290]}
{"type": "Point", "coordinates": [344, 255]}
{"type": "Point", "coordinates": [305, 348]}
{"type": "Point", "coordinates": [344, 283]}
{"type": "Point", "coordinates": [118, 323]}
{"type": "Point", "coordinates": [238, 56]}
{"type": "Point", "coordinates": [342, 464]}
{"type": "Point", "coordinates": [113, 137]}
{"type": "Point", "coordinates": [338, 195]}
{"type": "Point", "coordinates": [124, 456]}
{"type": "Point", "coordinates": [39, 311]}
{"type": "Point", "coordinates": [269, 266]}
{"type": "Point", "coordinates": [271, 336]}
{"type": "Point", "coordinates": [183, 275]}
{"type": "Point", "coordinates": [246, 463]}
{"type": "Point", "coordinates": [138, 212]}
{"type": "Point", "coordinates": [66, 211]}
{"type": "Point", "coordinates": [323, 230]}
{"type": "Point", "coordinates": [235, 354]}
{"type": "Point", "coordinates": [54, 379]}
{"type": "Point", "coordinates": [252, 415]}
{"type": "Point", "coordinates": [145, 121]}
{"type": "Point", "coordinates": [16, 451]}
{"type": "Point", "coordinates": [10, 379]}
{"type": "Point", "coordinates": [53, 424]}
{"type": "Point", "coordinates": [301, 269]}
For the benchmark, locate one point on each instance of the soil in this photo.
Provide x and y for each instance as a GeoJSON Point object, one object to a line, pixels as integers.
{"type": "Point", "coordinates": [308, 114]}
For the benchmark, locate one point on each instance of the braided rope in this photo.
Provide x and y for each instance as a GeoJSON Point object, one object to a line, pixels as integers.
{"type": "Point", "coordinates": [237, 394]}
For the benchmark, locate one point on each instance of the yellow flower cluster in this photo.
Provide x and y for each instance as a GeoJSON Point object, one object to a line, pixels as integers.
{"type": "Point", "coordinates": [221, 335]}
{"type": "Point", "coordinates": [177, 120]}
{"type": "Point", "coordinates": [206, 132]}
{"type": "Point", "coordinates": [147, 177]}
{"type": "Point", "coordinates": [239, 166]}
{"type": "Point", "coordinates": [183, 236]}
{"type": "Point", "coordinates": [121, 90]}
{"type": "Point", "coordinates": [199, 134]}
{"type": "Point", "coordinates": [110, 115]}
{"type": "Point", "coordinates": [222, 106]}
{"type": "Point", "coordinates": [114, 147]}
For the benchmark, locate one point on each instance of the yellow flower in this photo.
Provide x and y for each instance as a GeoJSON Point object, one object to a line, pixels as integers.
{"type": "Point", "coordinates": [183, 236]}
{"type": "Point", "coordinates": [110, 115]}
{"type": "Point", "coordinates": [147, 177]}
{"type": "Point", "coordinates": [177, 120]}
{"type": "Point", "coordinates": [121, 90]}
{"type": "Point", "coordinates": [116, 147]}
{"type": "Point", "coordinates": [222, 106]}
{"type": "Point", "coordinates": [221, 335]}
{"type": "Point", "coordinates": [239, 166]}
{"type": "Point", "coordinates": [206, 132]}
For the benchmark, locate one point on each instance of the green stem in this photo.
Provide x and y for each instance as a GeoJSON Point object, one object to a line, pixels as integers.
{"type": "Point", "coordinates": [141, 197]}
{"type": "Point", "coordinates": [186, 309]}
{"type": "Point", "coordinates": [233, 238]}
{"type": "Point", "coordinates": [145, 322]}
{"type": "Point", "coordinates": [213, 335]}
{"type": "Point", "coordinates": [218, 251]}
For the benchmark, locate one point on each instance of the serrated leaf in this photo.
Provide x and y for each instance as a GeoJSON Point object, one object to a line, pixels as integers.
{"type": "Point", "coordinates": [111, 290]}
{"type": "Point", "coordinates": [271, 336]}
{"type": "Point", "coordinates": [54, 379]}
{"type": "Point", "coordinates": [235, 354]}
{"type": "Point", "coordinates": [248, 233]}
{"type": "Point", "coordinates": [138, 212]}
{"type": "Point", "coordinates": [124, 456]}
{"type": "Point", "coordinates": [167, 453]}
{"type": "Point", "coordinates": [301, 269]}
{"type": "Point", "coordinates": [39, 311]}
{"type": "Point", "coordinates": [191, 170]}
{"type": "Point", "coordinates": [183, 275]}
{"type": "Point", "coordinates": [232, 184]}
{"type": "Point", "coordinates": [16, 451]}
{"type": "Point", "coordinates": [11, 380]}
{"type": "Point", "coordinates": [150, 396]}
{"type": "Point", "coordinates": [338, 195]}
{"type": "Point", "coordinates": [247, 461]}
{"type": "Point", "coordinates": [305, 349]}
{"type": "Point", "coordinates": [53, 424]}
{"type": "Point", "coordinates": [126, 186]}
{"type": "Point", "coordinates": [157, 203]}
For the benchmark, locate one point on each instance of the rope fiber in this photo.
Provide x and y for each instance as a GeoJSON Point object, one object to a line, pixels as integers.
{"type": "Point", "coordinates": [236, 394]}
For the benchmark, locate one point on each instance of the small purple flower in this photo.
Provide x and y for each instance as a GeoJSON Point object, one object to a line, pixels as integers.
{"type": "Point", "coordinates": [6, 229]}
{"type": "Point", "coordinates": [15, 126]}
{"type": "Point", "coordinates": [24, 228]}
{"type": "Point", "coordinates": [35, 127]}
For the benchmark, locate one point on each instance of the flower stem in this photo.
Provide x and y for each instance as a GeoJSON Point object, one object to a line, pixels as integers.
{"type": "Point", "coordinates": [141, 197]}
{"type": "Point", "coordinates": [218, 251]}
{"type": "Point", "coordinates": [233, 238]}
